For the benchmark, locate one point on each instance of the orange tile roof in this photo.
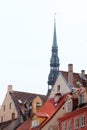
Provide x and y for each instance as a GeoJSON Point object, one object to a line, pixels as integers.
{"type": "Point", "coordinates": [25, 125]}
{"type": "Point", "coordinates": [50, 109]}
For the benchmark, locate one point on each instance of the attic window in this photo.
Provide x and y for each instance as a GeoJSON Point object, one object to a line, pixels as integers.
{"type": "Point", "coordinates": [10, 105]}
{"type": "Point", "coordinates": [58, 88]}
{"type": "Point", "coordinates": [3, 107]}
{"type": "Point", "coordinates": [38, 104]}
{"type": "Point", "coordinates": [19, 101]}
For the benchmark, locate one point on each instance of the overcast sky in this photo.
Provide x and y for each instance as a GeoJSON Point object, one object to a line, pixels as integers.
{"type": "Point", "coordinates": [26, 37]}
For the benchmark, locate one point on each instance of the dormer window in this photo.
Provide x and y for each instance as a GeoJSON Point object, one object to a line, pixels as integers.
{"type": "Point", "coordinates": [35, 123]}
{"type": "Point", "coordinates": [38, 104]}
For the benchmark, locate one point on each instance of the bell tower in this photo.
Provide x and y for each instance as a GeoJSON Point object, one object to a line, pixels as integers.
{"type": "Point", "coordinates": [54, 61]}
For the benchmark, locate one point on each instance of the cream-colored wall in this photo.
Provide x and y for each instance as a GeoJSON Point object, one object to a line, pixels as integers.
{"type": "Point", "coordinates": [63, 86]}
{"type": "Point", "coordinates": [7, 113]}
{"type": "Point", "coordinates": [53, 121]}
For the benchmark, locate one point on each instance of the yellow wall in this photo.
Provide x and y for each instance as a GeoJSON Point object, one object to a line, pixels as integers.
{"type": "Point", "coordinates": [40, 119]}
{"type": "Point", "coordinates": [37, 99]}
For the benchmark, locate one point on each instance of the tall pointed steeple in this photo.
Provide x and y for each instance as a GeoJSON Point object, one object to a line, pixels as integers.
{"type": "Point", "coordinates": [54, 61]}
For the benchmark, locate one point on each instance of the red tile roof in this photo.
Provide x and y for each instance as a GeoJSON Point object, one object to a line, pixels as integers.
{"type": "Point", "coordinates": [25, 125]}
{"type": "Point", "coordinates": [41, 114]}
{"type": "Point", "coordinates": [76, 78]}
{"type": "Point", "coordinates": [50, 109]}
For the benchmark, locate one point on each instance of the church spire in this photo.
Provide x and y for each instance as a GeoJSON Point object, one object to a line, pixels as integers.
{"type": "Point", "coordinates": [54, 61]}
{"type": "Point", "coordinates": [54, 36]}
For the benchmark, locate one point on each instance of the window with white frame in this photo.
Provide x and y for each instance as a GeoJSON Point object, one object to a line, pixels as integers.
{"type": "Point", "coordinates": [69, 106]}
{"type": "Point", "coordinates": [35, 123]}
{"type": "Point", "coordinates": [64, 126]}
{"type": "Point", "coordinates": [69, 125]}
{"type": "Point", "coordinates": [76, 123]}
{"type": "Point", "coordinates": [82, 98]}
{"type": "Point", "coordinates": [82, 119]}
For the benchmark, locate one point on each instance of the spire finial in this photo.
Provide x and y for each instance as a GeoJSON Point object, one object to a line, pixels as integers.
{"type": "Point", "coordinates": [54, 37]}
{"type": "Point", "coordinates": [54, 19]}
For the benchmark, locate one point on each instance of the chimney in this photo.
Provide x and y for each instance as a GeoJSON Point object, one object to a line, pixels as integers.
{"type": "Point", "coordinates": [83, 73]}
{"type": "Point", "coordinates": [10, 88]}
{"type": "Point", "coordinates": [70, 74]}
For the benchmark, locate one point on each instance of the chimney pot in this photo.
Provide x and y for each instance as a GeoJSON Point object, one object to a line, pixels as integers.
{"type": "Point", "coordinates": [70, 67]}
{"type": "Point", "coordinates": [83, 72]}
{"type": "Point", "coordinates": [9, 88]}
{"type": "Point", "coordinates": [70, 74]}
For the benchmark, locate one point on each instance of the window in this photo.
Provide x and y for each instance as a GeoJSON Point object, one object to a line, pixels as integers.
{"type": "Point", "coordinates": [64, 126]}
{"type": "Point", "coordinates": [82, 121]}
{"type": "Point", "coordinates": [13, 116]}
{"type": "Point", "coordinates": [35, 123]}
{"type": "Point", "coordinates": [1, 118]}
{"type": "Point", "coordinates": [69, 125]}
{"type": "Point", "coordinates": [58, 88]}
{"type": "Point", "coordinates": [82, 98]}
{"type": "Point", "coordinates": [69, 106]}
{"type": "Point", "coordinates": [10, 105]}
{"type": "Point", "coordinates": [76, 123]}
{"type": "Point", "coordinates": [3, 107]}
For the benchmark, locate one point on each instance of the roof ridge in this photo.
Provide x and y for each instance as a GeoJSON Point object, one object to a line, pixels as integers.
{"type": "Point", "coordinates": [29, 93]}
